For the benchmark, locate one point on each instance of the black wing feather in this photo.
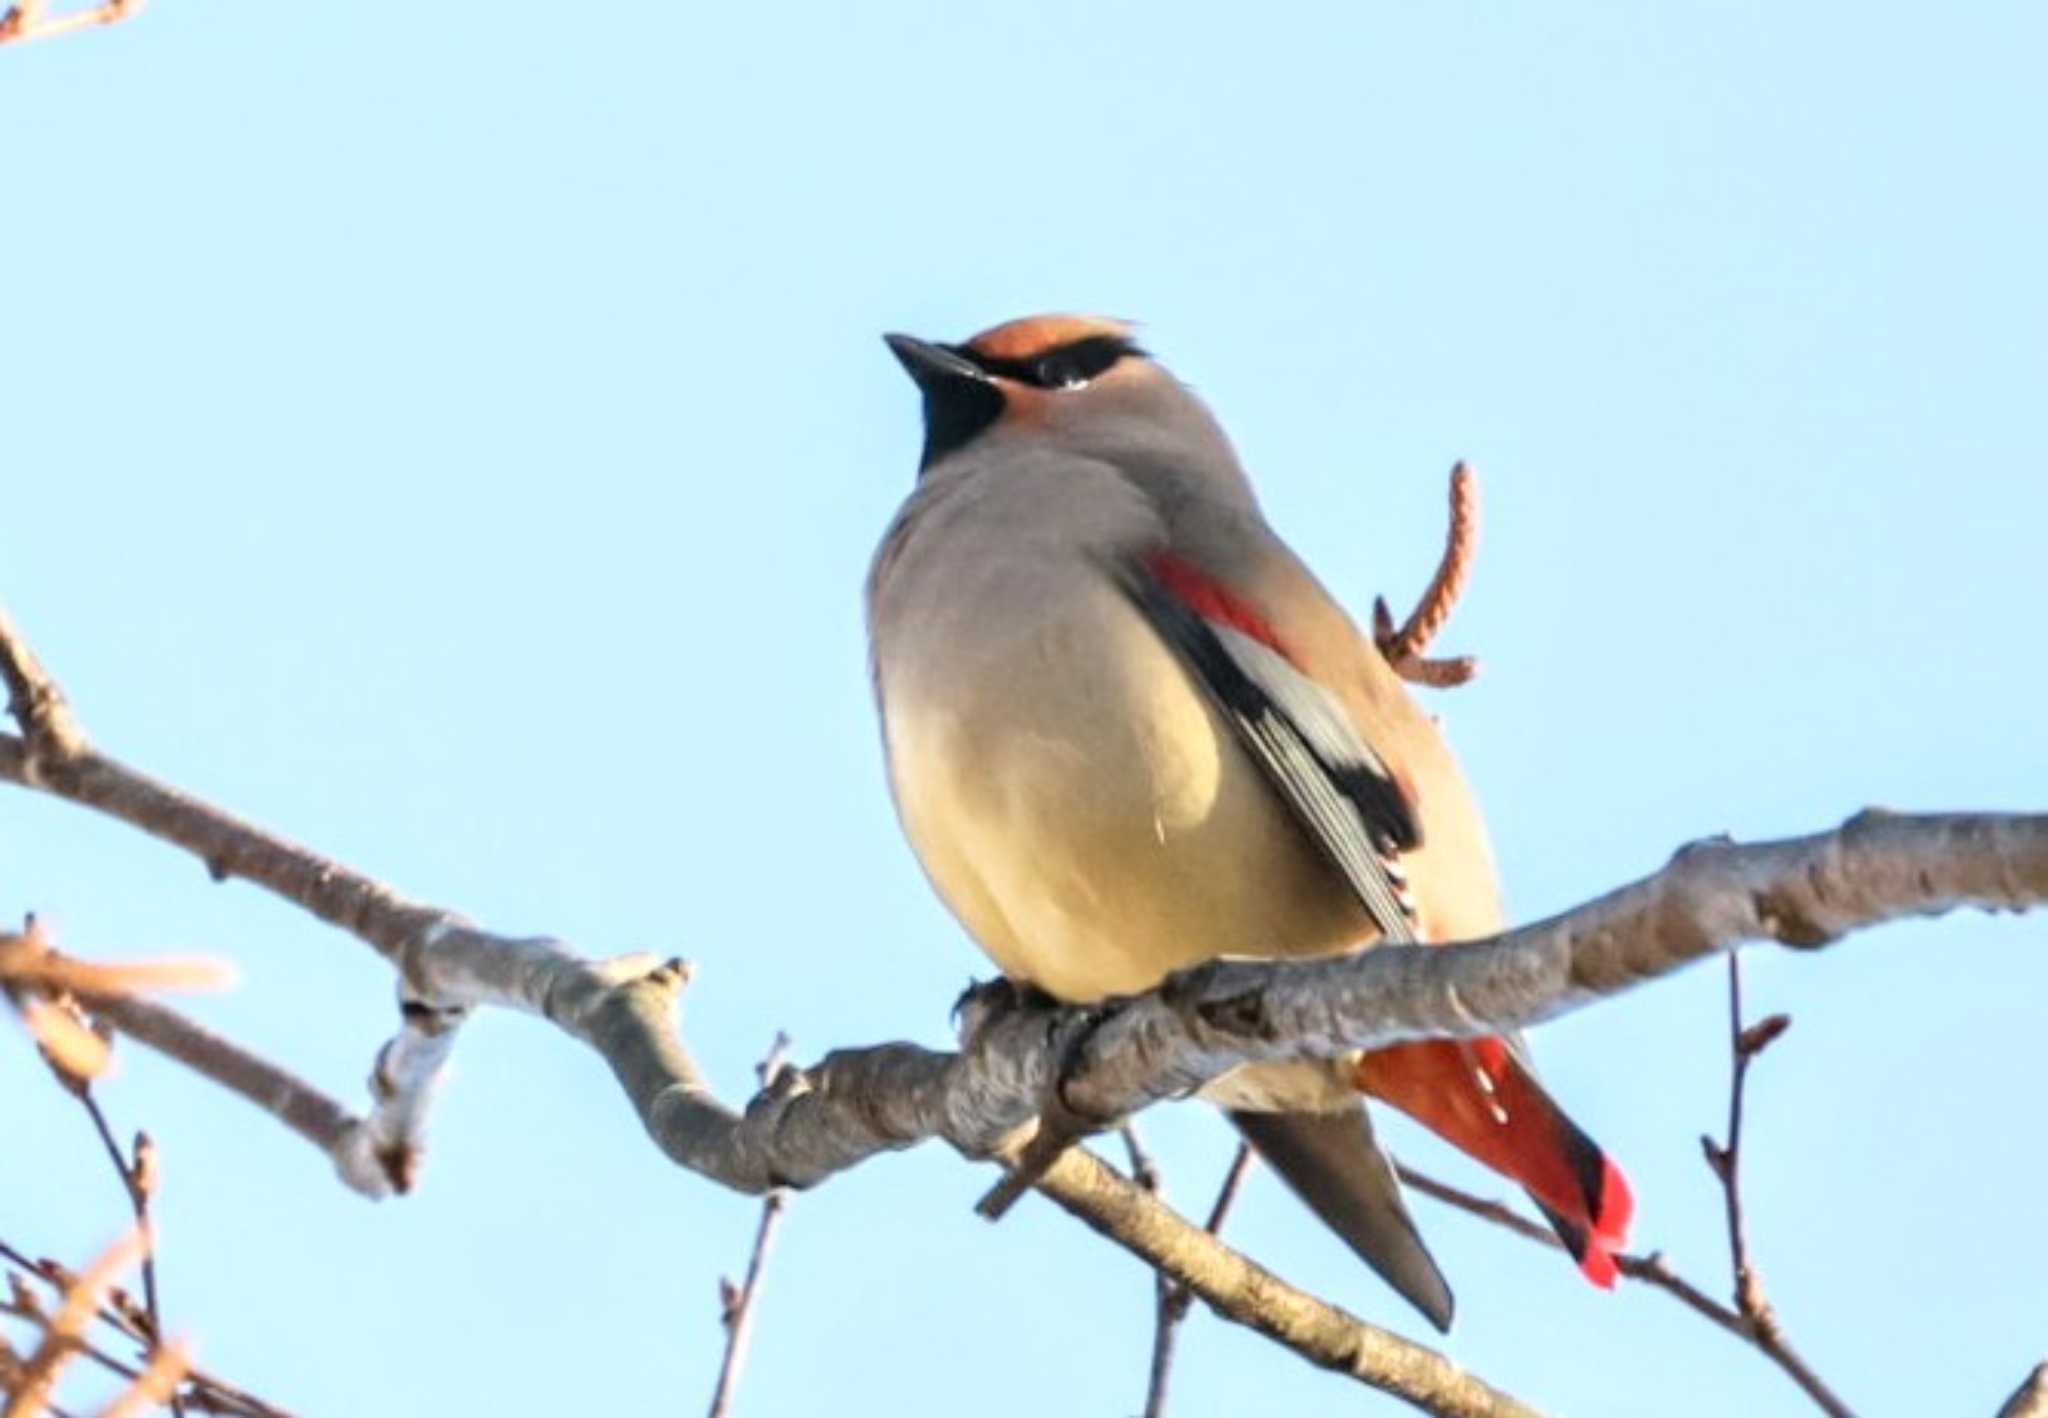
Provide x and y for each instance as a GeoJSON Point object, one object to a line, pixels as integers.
{"type": "Point", "coordinates": [1332, 782]}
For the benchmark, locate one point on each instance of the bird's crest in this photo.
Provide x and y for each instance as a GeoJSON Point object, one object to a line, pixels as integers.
{"type": "Point", "coordinates": [1037, 334]}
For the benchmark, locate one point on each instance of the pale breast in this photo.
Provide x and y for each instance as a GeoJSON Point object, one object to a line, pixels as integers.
{"type": "Point", "coordinates": [1085, 812]}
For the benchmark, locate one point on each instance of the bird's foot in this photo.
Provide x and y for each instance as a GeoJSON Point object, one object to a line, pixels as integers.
{"type": "Point", "coordinates": [985, 1003]}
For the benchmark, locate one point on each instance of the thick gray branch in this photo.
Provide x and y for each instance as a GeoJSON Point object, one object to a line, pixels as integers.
{"type": "Point", "coordinates": [1713, 895]}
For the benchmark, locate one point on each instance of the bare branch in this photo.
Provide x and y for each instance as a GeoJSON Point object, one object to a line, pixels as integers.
{"type": "Point", "coordinates": [1745, 1043]}
{"type": "Point", "coordinates": [1165, 1321]}
{"type": "Point", "coordinates": [26, 20]}
{"type": "Point", "coordinates": [1172, 1301]}
{"type": "Point", "coordinates": [737, 1302]}
{"type": "Point", "coordinates": [64, 1332]}
{"type": "Point", "coordinates": [1752, 1320]}
{"type": "Point", "coordinates": [1244, 1292]}
{"type": "Point", "coordinates": [298, 1105]}
{"type": "Point", "coordinates": [1802, 891]}
{"type": "Point", "coordinates": [46, 987]}
{"type": "Point", "coordinates": [1651, 1269]}
{"type": "Point", "coordinates": [736, 1306]}
{"type": "Point", "coordinates": [33, 698]}
{"type": "Point", "coordinates": [139, 1180]}
{"type": "Point", "coordinates": [155, 1386]}
{"type": "Point", "coordinates": [204, 1391]}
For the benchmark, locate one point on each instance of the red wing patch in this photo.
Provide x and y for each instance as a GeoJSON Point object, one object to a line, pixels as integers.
{"type": "Point", "coordinates": [1211, 599]}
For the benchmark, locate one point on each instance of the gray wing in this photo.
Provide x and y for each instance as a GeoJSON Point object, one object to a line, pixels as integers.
{"type": "Point", "coordinates": [1332, 781]}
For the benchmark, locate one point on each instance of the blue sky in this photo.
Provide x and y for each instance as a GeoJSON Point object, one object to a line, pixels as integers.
{"type": "Point", "coordinates": [455, 435]}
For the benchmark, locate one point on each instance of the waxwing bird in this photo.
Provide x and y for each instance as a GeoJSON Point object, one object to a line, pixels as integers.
{"type": "Point", "coordinates": [1127, 732]}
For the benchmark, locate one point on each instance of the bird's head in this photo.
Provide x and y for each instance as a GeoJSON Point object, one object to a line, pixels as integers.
{"type": "Point", "coordinates": [1076, 383]}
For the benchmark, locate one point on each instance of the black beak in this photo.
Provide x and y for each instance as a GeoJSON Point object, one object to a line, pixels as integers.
{"type": "Point", "coordinates": [933, 366]}
{"type": "Point", "coordinates": [960, 400]}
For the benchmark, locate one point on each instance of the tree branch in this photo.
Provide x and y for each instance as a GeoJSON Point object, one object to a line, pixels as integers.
{"type": "Point", "coordinates": [1106, 1063]}
{"type": "Point", "coordinates": [28, 1392]}
{"type": "Point", "coordinates": [291, 1100]}
{"type": "Point", "coordinates": [1651, 1269]}
{"type": "Point", "coordinates": [1760, 1320]}
{"type": "Point", "coordinates": [1172, 1302]}
{"type": "Point", "coordinates": [1244, 1292]}
{"type": "Point", "coordinates": [138, 1178]}
{"type": "Point", "coordinates": [736, 1303]}
{"type": "Point", "coordinates": [1803, 892]}
{"type": "Point", "coordinates": [27, 20]}
{"type": "Point", "coordinates": [201, 1390]}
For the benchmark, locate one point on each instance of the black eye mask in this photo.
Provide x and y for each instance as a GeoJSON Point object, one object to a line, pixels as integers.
{"type": "Point", "coordinates": [1067, 367]}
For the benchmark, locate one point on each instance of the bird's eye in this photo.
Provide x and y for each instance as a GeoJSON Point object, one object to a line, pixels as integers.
{"type": "Point", "coordinates": [1058, 371]}
{"type": "Point", "coordinates": [1073, 365]}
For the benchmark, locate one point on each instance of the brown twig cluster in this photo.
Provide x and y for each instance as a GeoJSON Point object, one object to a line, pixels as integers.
{"type": "Point", "coordinates": [47, 989]}
{"type": "Point", "coordinates": [138, 1174]}
{"type": "Point", "coordinates": [55, 996]}
{"type": "Point", "coordinates": [31, 19]}
{"type": "Point", "coordinates": [1404, 648]}
{"type": "Point", "coordinates": [62, 1306]}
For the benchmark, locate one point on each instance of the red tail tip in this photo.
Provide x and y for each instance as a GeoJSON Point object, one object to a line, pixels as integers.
{"type": "Point", "coordinates": [1598, 1265]}
{"type": "Point", "coordinates": [1617, 1209]}
{"type": "Point", "coordinates": [1610, 1228]}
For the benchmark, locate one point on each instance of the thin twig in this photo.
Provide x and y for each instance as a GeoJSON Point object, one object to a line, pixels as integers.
{"type": "Point", "coordinates": [1233, 1182]}
{"type": "Point", "coordinates": [24, 21]}
{"type": "Point", "coordinates": [205, 1391]}
{"type": "Point", "coordinates": [1403, 648]}
{"type": "Point", "coordinates": [1651, 1269]}
{"type": "Point", "coordinates": [1165, 1323]}
{"type": "Point", "coordinates": [138, 1199]}
{"type": "Point", "coordinates": [1172, 1300]}
{"type": "Point", "coordinates": [64, 1331]}
{"type": "Point", "coordinates": [1144, 1166]}
{"type": "Point", "coordinates": [1745, 1043]}
{"type": "Point", "coordinates": [47, 988]}
{"type": "Point", "coordinates": [155, 1386]}
{"type": "Point", "coordinates": [737, 1302]}
{"type": "Point", "coordinates": [138, 1178]}
{"type": "Point", "coordinates": [1752, 1319]}
{"type": "Point", "coordinates": [48, 727]}
{"type": "Point", "coordinates": [737, 1305]}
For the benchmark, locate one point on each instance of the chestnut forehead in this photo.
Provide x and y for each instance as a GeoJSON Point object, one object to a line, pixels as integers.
{"type": "Point", "coordinates": [1035, 334]}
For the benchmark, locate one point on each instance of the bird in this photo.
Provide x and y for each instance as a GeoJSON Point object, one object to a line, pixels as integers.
{"type": "Point", "coordinates": [1127, 731]}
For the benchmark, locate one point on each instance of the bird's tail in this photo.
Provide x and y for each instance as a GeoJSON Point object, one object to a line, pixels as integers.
{"type": "Point", "coordinates": [1333, 1164]}
{"type": "Point", "coordinates": [1479, 1096]}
